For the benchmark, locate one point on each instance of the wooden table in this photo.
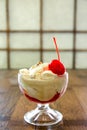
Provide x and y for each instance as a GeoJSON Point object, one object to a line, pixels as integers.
{"type": "Point", "coordinates": [73, 105]}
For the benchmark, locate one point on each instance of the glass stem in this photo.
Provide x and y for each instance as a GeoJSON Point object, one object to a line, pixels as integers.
{"type": "Point", "coordinates": [42, 106]}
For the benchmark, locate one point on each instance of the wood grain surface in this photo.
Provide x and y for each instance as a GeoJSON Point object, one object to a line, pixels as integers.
{"type": "Point", "coordinates": [73, 105]}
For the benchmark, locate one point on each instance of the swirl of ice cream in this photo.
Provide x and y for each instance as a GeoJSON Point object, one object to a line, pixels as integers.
{"type": "Point", "coordinates": [41, 84]}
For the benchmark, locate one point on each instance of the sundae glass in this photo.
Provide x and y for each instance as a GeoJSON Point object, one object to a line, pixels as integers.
{"type": "Point", "coordinates": [44, 83]}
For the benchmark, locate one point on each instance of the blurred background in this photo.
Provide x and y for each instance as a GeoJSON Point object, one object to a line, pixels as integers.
{"type": "Point", "coordinates": [27, 28]}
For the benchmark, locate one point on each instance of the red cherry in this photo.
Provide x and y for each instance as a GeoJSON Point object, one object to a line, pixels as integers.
{"type": "Point", "coordinates": [57, 67]}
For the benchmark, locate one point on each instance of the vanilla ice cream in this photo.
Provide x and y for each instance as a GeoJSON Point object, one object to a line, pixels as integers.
{"type": "Point", "coordinates": [41, 84]}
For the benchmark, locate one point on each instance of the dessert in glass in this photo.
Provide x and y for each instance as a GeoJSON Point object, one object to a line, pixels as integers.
{"type": "Point", "coordinates": [44, 83]}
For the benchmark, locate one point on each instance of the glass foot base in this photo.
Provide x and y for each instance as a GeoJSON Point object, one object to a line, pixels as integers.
{"type": "Point", "coordinates": [43, 115]}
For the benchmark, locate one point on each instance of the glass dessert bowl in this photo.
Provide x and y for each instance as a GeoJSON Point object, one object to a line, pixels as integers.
{"type": "Point", "coordinates": [43, 83]}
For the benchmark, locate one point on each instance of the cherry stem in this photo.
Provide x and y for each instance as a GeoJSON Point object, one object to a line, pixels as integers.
{"type": "Point", "coordinates": [57, 50]}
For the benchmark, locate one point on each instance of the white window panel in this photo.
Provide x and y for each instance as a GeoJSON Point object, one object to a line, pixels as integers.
{"type": "Point", "coordinates": [24, 14]}
{"type": "Point", "coordinates": [81, 41]}
{"type": "Point", "coordinates": [49, 56]}
{"type": "Point", "coordinates": [2, 14]}
{"type": "Point", "coordinates": [58, 14]}
{"type": "Point", "coordinates": [81, 60]}
{"type": "Point", "coordinates": [3, 40]}
{"type": "Point", "coordinates": [66, 58]}
{"type": "Point", "coordinates": [64, 41]}
{"type": "Point", "coordinates": [25, 40]}
{"type": "Point", "coordinates": [24, 59]}
{"type": "Point", "coordinates": [82, 15]}
{"type": "Point", "coordinates": [3, 60]}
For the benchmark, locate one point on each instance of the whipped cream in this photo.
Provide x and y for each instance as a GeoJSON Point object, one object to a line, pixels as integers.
{"type": "Point", "coordinates": [37, 72]}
